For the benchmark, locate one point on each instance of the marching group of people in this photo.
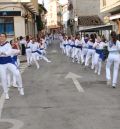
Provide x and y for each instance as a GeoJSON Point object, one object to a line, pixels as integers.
{"type": "Point", "coordinates": [35, 50]}
{"type": "Point", "coordinates": [88, 48]}
{"type": "Point", "coordinates": [94, 48]}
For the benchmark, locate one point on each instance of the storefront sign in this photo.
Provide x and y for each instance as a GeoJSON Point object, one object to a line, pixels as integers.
{"type": "Point", "coordinates": [10, 13]}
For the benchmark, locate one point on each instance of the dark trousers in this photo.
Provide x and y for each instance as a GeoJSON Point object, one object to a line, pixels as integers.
{"type": "Point", "coordinates": [23, 49]}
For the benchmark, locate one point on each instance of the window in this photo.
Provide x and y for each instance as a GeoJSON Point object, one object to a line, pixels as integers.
{"type": "Point", "coordinates": [7, 25]}
{"type": "Point", "coordinates": [104, 2]}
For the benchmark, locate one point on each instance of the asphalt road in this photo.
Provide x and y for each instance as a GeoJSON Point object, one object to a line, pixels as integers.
{"type": "Point", "coordinates": [53, 102]}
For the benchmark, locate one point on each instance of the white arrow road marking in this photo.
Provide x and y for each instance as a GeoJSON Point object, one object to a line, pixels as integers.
{"type": "Point", "coordinates": [76, 82]}
{"type": "Point", "coordinates": [16, 123]}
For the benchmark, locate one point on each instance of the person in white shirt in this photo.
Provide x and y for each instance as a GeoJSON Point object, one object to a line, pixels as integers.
{"type": "Point", "coordinates": [34, 47]}
{"type": "Point", "coordinates": [99, 55]}
{"type": "Point", "coordinates": [113, 58]}
{"type": "Point", "coordinates": [78, 49]}
{"type": "Point", "coordinates": [28, 50]}
{"type": "Point", "coordinates": [64, 44]}
{"type": "Point", "coordinates": [7, 63]}
{"type": "Point", "coordinates": [84, 48]}
{"type": "Point", "coordinates": [91, 51]}
{"type": "Point", "coordinates": [22, 44]}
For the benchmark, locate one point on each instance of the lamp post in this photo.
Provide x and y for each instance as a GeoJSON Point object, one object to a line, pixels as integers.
{"type": "Point", "coordinates": [76, 23]}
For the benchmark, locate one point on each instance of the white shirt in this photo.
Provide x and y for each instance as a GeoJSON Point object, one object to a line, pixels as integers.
{"type": "Point", "coordinates": [114, 47]}
{"type": "Point", "coordinates": [84, 44]}
{"type": "Point", "coordinates": [34, 46]}
{"type": "Point", "coordinates": [23, 41]}
{"type": "Point", "coordinates": [100, 45]}
{"type": "Point", "coordinates": [5, 48]}
{"type": "Point", "coordinates": [78, 42]}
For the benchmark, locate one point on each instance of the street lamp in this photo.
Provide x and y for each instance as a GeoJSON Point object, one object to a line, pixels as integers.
{"type": "Point", "coordinates": [76, 23]}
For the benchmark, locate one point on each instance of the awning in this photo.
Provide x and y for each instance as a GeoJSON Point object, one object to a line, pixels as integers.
{"type": "Point", "coordinates": [96, 28]}
{"type": "Point", "coordinates": [112, 17]}
{"type": "Point", "coordinates": [31, 7]}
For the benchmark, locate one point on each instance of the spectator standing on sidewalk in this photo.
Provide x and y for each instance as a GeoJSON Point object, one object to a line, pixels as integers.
{"type": "Point", "coordinates": [22, 44]}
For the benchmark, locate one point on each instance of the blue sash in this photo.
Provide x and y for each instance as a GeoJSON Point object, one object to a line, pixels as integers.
{"type": "Point", "coordinates": [64, 45]}
{"type": "Point", "coordinates": [37, 52]}
{"type": "Point", "coordinates": [5, 60]}
{"type": "Point", "coordinates": [27, 47]}
{"type": "Point", "coordinates": [79, 47]}
{"type": "Point", "coordinates": [90, 47]}
{"type": "Point", "coordinates": [100, 52]}
{"type": "Point", "coordinates": [41, 48]}
{"type": "Point", "coordinates": [14, 58]}
{"type": "Point", "coordinates": [72, 45]}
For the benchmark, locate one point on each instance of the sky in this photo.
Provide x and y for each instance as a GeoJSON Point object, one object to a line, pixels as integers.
{"type": "Point", "coordinates": [46, 2]}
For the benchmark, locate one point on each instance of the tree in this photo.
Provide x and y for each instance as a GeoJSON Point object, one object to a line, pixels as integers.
{"type": "Point", "coordinates": [40, 24]}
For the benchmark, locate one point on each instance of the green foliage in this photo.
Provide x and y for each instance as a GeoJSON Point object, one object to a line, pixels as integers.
{"type": "Point", "coordinates": [39, 22]}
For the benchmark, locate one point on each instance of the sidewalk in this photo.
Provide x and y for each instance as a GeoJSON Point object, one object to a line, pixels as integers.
{"type": "Point", "coordinates": [22, 59]}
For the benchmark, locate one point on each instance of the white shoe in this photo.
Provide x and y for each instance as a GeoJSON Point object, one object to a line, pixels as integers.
{"type": "Point", "coordinates": [7, 96]}
{"type": "Point", "coordinates": [21, 90]}
{"type": "Point", "coordinates": [38, 67]}
{"type": "Point", "coordinates": [114, 85]}
{"type": "Point", "coordinates": [73, 61]}
{"type": "Point", "coordinates": [15, 86]}
{"type": "Point", "coordinates": [98, 73]}
{"type": "Point", "coordinates": [49, 61]}
{"type": "Point", "coordinates": [95, 71]}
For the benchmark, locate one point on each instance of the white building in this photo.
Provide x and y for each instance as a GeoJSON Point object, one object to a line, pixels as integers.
{"type": "Point", "coordinates": [17, 17]}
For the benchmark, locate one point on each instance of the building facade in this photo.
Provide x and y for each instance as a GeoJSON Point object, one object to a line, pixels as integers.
{"type": "Point", "coordinates": [85, 12]}
{"type": "Point", "coordinates": [54, 15]}
{"type": "Point", "coordinates": [65, 17]}
{"type": "Point", "coordinates": [17, 17]}
{"type": "Point", "coordinates": [112, 8]}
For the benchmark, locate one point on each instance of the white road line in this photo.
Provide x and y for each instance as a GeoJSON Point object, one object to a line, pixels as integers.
{"type": "Point", "coordinates": [16, 123]}
{"type": "Point", "coordinates": [76, 82]}
{"type": "Point", "coordinates": [2, 101]}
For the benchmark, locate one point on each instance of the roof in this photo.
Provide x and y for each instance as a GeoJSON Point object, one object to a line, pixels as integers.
{"type": "Point", "coordinates": [89, 20]}
{"type": "Point", "coordinates": [96, 28]}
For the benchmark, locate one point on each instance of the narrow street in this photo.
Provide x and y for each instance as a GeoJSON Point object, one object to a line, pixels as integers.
{"type": "Point", "coordinates": [52, 101]}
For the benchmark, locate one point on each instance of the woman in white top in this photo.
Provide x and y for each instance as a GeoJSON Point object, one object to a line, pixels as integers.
{"type": "Point", "coordinates": [28, 50]}
{"type": "Point", "coordinates": [34, 47]}
{"type": "Point", "coordinates": [78, 48]}
{"type": "Point", "coordinates": [113, 57]}
{"type": "Point", "coordinates": [64, 44]}
{"type": "Point", "coordinates": [22, 44]}
{"type": "Point", "coordinates": [91, 51]}
{"type": "Point", "coordinates": [84, 48]}
{"type": "Point", "coordinates": [99, 55]}
{"type": "Point", "coordinates": [7, 63]}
